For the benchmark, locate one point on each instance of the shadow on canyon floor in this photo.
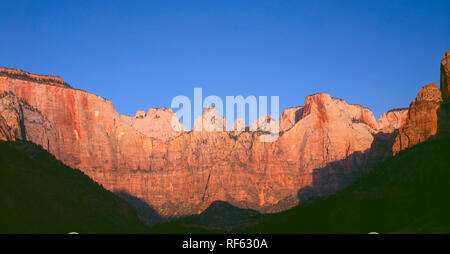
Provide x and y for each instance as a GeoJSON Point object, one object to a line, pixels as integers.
{"type": "Point", "coordinates": [218, 216]}
{"type": "Point", "coordinates": [146, 213]}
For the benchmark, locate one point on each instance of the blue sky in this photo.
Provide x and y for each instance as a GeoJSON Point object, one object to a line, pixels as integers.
{"type": "Point", "coordinates": [141, 54]}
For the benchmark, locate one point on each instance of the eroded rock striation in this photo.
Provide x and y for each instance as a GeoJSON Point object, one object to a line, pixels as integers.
{"type": "Point", "coordinates": [158, 123]}
{"type": "Point", "coordinates": [324, 145]}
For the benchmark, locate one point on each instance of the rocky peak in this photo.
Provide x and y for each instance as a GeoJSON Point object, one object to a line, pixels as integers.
{"type": "Point", "coordinates": [265, 124]}
{"type": "Point", "coordinates": [211, 120]}
{"type": "Point", "coordinates": [159, 123]}
{"type": "Point", "coordinates": [393, 119]}
{"type": "Point", "coordinates": [422, 119]}
{"type": "Point", "coordinates": [324, 106]}
{"type": "Point", "coordinates": [429, 92]}
{"type": "Point", "coordinates": [317, 102]}
{"type": "Point", "coordinates": [140, 114]}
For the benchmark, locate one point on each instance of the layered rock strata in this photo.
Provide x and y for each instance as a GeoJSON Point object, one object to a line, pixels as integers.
{"type": "Point", "coordinates": [323, 146]}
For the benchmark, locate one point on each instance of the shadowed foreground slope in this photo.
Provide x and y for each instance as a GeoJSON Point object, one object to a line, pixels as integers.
{"type": "Point", "coordinates": [38, 194]}
{"type": "Point", "coordinates": [407, 193]}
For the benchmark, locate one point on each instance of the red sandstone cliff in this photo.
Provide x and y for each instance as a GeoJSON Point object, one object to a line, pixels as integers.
{"type": "Point", "coordinates": [324, 145]}
{"type": "Point", "coordinates": [422, 120]}
{"type": "Point", "coordinates": [429, 114]}
{"type": "Point", "coordinates": [394, 119]}
{"type": "Point", "coordinates": [290, 117]}
{"type": "Point", "coordinates": [158, 123]}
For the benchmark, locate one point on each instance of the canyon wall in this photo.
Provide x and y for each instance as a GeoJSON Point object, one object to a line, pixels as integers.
{"type": "Point", "coordinates": [422, 120]}
{"type": "Point", "coordinates": [429, 114]}
{"type": "Point", "coordinates": [392, 120]}
{"type": "Point", "coordinates": [324, 145]}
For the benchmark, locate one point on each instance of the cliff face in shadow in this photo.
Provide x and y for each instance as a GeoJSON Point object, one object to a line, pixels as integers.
{"type": "Point", "coordinates": [146, 213]}
{"type": "Point", "coordinates": [337, 175]}
{"type": "Point", "coordinates": [406, 193]}
{"type": "Point", "coordinates": [444, 120]}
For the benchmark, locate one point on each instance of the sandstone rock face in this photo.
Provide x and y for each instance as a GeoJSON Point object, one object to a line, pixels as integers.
{"type": "Point", "coordinates": [318, 153]}
{"type": "Point", "coordinates": [394, 119]}
{"type": "Point", "coordinates": [210, 121]}
{"type": "Point", "coordinates": [5, 135]}
{"type": "Point", "coordinates": [239, 125]}
{"type": "Point", "coordinates": [290, 117]}
{"type": "Point", "coordinates": [23, 121]}
{"type": "Point", "coordinates": [9, 118]}
{"type": "Point", "coordinates": [445, 76]}
{"type": "Point", "coordinates": [159, 123]}
{"type": "Point", "coordinates": [265, 123]}
{"type": "Point", "coordinates": [422, 120]}
{"type": "Point", "coordinates": [357, 113]}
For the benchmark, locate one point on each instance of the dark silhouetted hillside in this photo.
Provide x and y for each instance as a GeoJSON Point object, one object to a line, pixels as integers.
{"type": "Point", "coordinates": [38, 194]}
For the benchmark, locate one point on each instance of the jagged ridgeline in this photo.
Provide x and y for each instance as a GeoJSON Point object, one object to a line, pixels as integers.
{"type": "Point", "coordinates": [324, 145]}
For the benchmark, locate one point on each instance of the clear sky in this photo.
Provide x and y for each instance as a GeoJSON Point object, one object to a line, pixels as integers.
{"type": "Point", "coordinates": [140, 54]}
